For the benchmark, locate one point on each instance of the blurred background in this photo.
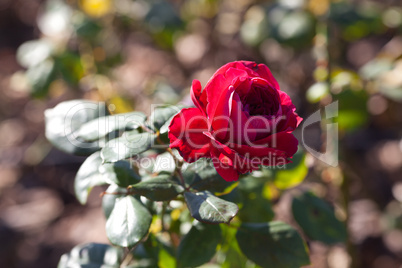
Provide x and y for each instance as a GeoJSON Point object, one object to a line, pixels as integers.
{"type": "Point", "coordinates": [134, 53]}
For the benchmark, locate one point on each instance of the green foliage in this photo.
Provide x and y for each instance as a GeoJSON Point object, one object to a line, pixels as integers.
{"type": "Point", "coordinates": [69, 67]}
{"type": "Point", "coordinates": [87, 177]}
{"type": "Point", "coordinates": [66, 118]}
{"type": "Point", "coordinates": [317, 219]}
{"type": "Point", "coordinates": [120, 173]}
{"type": "Point", "coordinates": [208, 208]}
{"type": "Point", "coordinates": [102, 126]}
{"type": "Point", "coordinates": [149, 207]}
{"type": "Point", "coordinates": [128, 222]}
{"type": "Point", "coordinates": [201, 175]}
{"type": "Point", "coordinates": [160, 188]}
{"type": "Point", "coordinates": [293, 173]}
{"type": "Point", "coordinates": [92, 255]}
{"type": "Point", "coordinates": [40, 77]}
{"type": "Point", "coordinates": [352, 109]}
{"type": "Point", "coordinates": [295, 29]}
{"type": "Point", "coordinates": [198, 246]}
{"type": "Point", "coordinates": [112, 193]}
{"type": "Point", "coordinates": [161, 117]}
{"type": "Point", "coordinates": [127, 146]}
{"type": "Point", "coordinates": [255, 207]}
{"type": "Point", "coordinates": [230, 251]}
{"type": "Point", "coordinates": [34, 52]}
{"type": "Point", "coordinates": [272, 245]}
{"type": "Point", "coordinates": [87, 28]}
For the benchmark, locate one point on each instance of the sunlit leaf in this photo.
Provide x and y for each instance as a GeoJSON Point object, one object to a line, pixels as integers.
{"type": "Point", "coordinates": [233, 257]}
{"type": "Point", "coordinates": [255, 208]}
{"type": "Point", "coordinates": [127, 146]}
{"type": "Point", "coordinates": [208, 208]}
{"type": "Point", "coordinates": [352, 109]}
{"type": "Point", "coordinates": [293, 173]}
{"type": "Point", "coordinates": [128, 223]}
{"type": "Point", "coordinates": [201, 175]}
{"type": "Point", "coordinates": [198, 246]}
{"type": "Point", "coordinates": [375, 68]}
{"type": "Point", "coordinates": [166, 260]}
{"type": "Point", "coordinates": [255, 26]}
{"type": "Point", "coordinates": [67, 117]}
{"type": "Point", "coordinates": [317, 219]}
{"type": "Point", "coordinates": [120, 173]}
{"type": "Point", "coordinates": [160, 188]}
{"type": "Point", "coordinates": [295, 28]}
{"type": "Point", "coordinates": [109, 198]}
{"type": "Point", "coordinates": [34, 52]}
{"type": "Point", "coordinates": [40, 77]}
{"type": "Point", "coordinates": [272, 245]}
{"type": "Point", "coordinates": [317, 91]}
{"type": "Point", "coordinates": [161, 115]}
{"type": "Point", "coordinates": [92, 255]}
{"type": "Point", "coordinates": [87, 177]}
{"type": "Point", "coordinates": [54, 19]}
{"type": "Point", "coordinates": [102, 126]}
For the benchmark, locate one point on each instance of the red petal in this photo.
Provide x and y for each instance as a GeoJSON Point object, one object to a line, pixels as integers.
{"type": "Point", "coordinates": [282, 141]}
{"type": "Point", "coordinates": [199, 98]}
{"type": "Point", "coordinates": [238, 127]}
{"type": "Point", "coordinates": [186, 134]}
{"type": "Point", "coordinates": [265, 73]}
{"type": "Point", "coordinates": [227, 172]}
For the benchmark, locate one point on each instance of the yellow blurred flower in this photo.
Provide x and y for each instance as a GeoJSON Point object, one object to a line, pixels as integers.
{"type": "Point", "coordinates": [318, 7]}
{"type": "Point", "coordinates": [96, 8]}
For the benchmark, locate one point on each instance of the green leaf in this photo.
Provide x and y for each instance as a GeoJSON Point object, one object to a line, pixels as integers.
{"type": "Point", "coordinates": [34, 52]}
{"type": "Point", "coordinates": [201, 175]}
{"type": "Point", "coordinates": [120, 173]}
{"type": "Point", "coordinates": [161, 116]}
{"type": "Point", "coordinates": [255, 208]}
{"type": "Point", "coordinates": [87, 28]}
{"type": "Point", "coordinates": [296, 28]}
{"type": "Point", "coordinates": [198, 246]}
{"type": "Point", "coordinates": [230, 251]}
{"type": "Point", "coordinates": [375, 68]}
{"type": "Point", "coordinates": [293, 174]}
{"type": "Point", "coordinates": [67, 117]}
{"type": "Point", "coordinates": [272, 245]}
{"type": "Point", "coordinates": [128, 223]}
{"type": "Point", "coordinates": [317, 92]}
{"type": "Point", "coordinates": [70, 68]}
{"type": "Point", "coordinates": [102, 126]}
{"type": "Point", "coordinates": [40, 77]}
{"type": "Point", "coordinates": [317, 219]}
{"type": "Point", "coordinates": [127, 146]}
{"type": "Point", "coordinates": [352, 113]}
{"type": "Point", "coordinates": [87, 177]}
{"type": "Point", "coordinates": [166, 260]}
{"type": "Point", "coordinates": [92, 255]}
{"type": "Point", "coordinates": [208, 208]}
{"type": "Point", "coordinates": [147, 253]}
{"type": "Point", "coordinates": [112, 193]}
{"type": "Point", "coordinates": [160, 188]}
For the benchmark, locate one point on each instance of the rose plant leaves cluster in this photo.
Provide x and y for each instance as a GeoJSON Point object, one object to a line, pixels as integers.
{"type": "Point", "coordinates": [217, 195]}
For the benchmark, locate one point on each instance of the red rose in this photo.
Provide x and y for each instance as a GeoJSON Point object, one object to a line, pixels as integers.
{"type": "Point", "coordinates": [242, 120]}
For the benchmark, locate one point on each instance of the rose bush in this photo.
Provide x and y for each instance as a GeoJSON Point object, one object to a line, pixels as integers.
{"type": "Point", "coordinates": [241, 120]}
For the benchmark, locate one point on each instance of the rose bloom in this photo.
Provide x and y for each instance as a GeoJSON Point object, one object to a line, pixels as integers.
{"type": "Point", "coordinates": [241, 120]}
